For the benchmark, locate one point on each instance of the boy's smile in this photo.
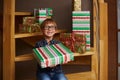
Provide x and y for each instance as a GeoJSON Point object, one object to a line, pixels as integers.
{"type": "Point", "coordinates": [49, 30]}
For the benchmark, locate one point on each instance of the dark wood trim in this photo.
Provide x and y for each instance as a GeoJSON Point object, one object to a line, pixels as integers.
{"type": "Point", "coordinates": [1, 38]}
{"type": "Point", "coordinates": [118, 64]}
{"type": "Point", "coordinates": [112, 40]}
{"type": "Point", "coordinates": [118, 30]}
{"type": "Point", "coordinates": [1, 51]}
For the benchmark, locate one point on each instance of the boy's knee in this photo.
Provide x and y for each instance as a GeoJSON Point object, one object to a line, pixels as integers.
{"type": "Point", "coordinates": [43, 76]}
{"type": "Point", "coordinates": [60, 76]}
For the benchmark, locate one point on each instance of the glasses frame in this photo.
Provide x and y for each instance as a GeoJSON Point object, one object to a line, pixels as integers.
{"type": "Point", "coordinates": [49, 27]}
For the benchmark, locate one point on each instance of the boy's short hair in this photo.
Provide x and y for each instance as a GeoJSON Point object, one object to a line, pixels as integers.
{"type": "Point", "coordinates": [47, 21]}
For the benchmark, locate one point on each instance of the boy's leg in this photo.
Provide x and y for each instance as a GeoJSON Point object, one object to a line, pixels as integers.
{"type": "Point", "coordinates": [59, 76]}
{"type": "Point", "coordinates": [43, 76]}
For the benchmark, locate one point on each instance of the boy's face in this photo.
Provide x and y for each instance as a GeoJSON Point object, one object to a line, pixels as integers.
{"type": "Point", "coordinates": [49, 30]}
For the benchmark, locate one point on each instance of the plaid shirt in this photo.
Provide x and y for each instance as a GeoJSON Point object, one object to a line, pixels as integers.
{"type": "Point", "coordinates": [57, 68]}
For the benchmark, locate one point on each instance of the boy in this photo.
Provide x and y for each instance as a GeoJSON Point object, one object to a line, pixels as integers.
{"type": "Point", "coordinates": [48, 28]}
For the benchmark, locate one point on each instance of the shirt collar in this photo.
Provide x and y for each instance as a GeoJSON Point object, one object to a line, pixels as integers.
{"type": "Point", "coordinates": [51, 42]}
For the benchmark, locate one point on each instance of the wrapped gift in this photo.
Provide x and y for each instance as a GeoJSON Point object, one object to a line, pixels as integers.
{"type": "Point", "coordinates": [77, 5]}
{"type": "Point", "coordinates": [29, 25]}
{"type": "Point", "coordinates": [49, 12]}
{"type": "Point", "coordinates": [32, 28]}
{"type": "Point", "coordinates": [75, 42]}
{"type": "Point", "coordinates": [81, 25]}
{"type": "Point", "coordinates": [67, 40]}
{"type": "Point", "coordinates": [79, 43]}
{"type": "Point", "coordinates": [29, 20]}
{"type": "Point", "coordinates": [22, 29]}
{"type": "Point", "coordinates": [42, 14]}
{"type": "Point", "coordinates": [52, 55]}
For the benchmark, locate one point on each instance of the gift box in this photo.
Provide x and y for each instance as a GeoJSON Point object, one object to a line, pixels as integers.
{"type": "Point", "coordinates": [49, 12]}
{"type": "Point", "coordinates": [80, 43]}
{"type": "Point", "coordinates": [22, 29]}
{"type": "Point", "coordinates": [29, 25]}
{"type": "Point", "coordinates": [32, 28]}
{"type": "Point", "coordinates": [42, 14]}
{"type": "Point", "coordinates": [52, 55]}
{"type": "Point", "coordinates": [75, 42]}
{"type": "Point", "coordinates": [67, 40]}
{"type": "Point", "coordinates": [77, 5]}
{"type": "Point", "coordinates": [81, 25]}
{"type": "Point", "coordinates": [29, 20]}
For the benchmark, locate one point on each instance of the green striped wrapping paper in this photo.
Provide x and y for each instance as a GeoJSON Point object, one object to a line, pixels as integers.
{"type": "Point", "coordinates": [49, 12]}
{"type": "Point", "coordinates": [81, 25]}
{"type": "Point", "coordinates": [42, 14]}
{"type": "Point", "coordinates": [52, 55]}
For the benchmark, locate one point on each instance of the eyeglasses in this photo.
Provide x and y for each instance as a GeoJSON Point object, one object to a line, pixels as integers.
{"type": "Point", "coordinates": [49, 27]}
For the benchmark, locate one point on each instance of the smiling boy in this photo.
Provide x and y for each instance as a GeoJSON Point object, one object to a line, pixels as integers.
{"type": "Point", "coordinates": [48, 28]}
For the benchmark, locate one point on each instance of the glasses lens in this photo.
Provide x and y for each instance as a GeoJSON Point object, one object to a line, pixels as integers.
{"type": "Point", "coordinates": [49, 27]}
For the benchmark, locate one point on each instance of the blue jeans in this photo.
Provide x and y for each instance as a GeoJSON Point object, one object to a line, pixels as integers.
{"type": "Point", "coordinates": [51, 76]}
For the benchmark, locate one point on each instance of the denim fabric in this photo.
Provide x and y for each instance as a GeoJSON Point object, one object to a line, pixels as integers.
{"type": "Point", "coordinates": [49, 73]}
{"type": "Point", "coordinates": [51, 76]}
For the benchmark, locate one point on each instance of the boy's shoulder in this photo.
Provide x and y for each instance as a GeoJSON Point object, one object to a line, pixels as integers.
{"type": "Point", "coordinates": [54, 41]}
{"type": "Point", "coordinates": [44, 41]}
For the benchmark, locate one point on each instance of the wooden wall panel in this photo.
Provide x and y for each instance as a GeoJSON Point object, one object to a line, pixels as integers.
{"type": "Point", "coordinates": [1, 25]}
{"type": "Point", "coordinates": [1, 50]}
{"type": "Point", "coordinates": [1, 6]}
{"type": "Point", "coordinates": [103, 41]}
{"type": "Point", "coordinates": [0, 55]}
{"type": "Point", "coordinates": [112, 40]}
